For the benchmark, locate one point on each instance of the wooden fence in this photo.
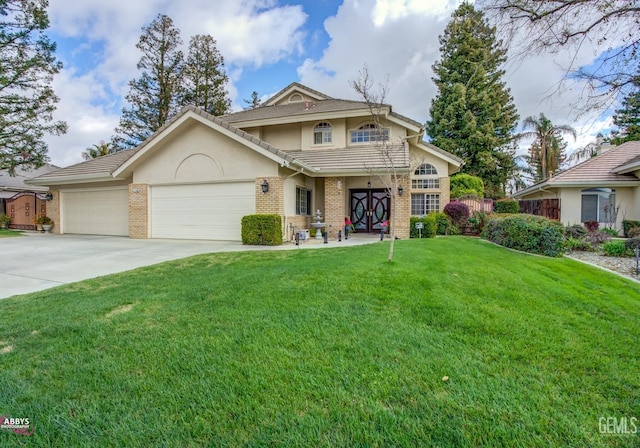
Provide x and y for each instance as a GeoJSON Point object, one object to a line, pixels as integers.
{"type": "Point", "coordinates": [549, 208]}
{"type": "Point", "coordinates": [475, 204]}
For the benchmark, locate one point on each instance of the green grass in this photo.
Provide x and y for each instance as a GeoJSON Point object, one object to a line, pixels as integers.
{"type": "Point", "coordinates": [324, 348]}
{"type": "Point", "coordinates": [4, 233]}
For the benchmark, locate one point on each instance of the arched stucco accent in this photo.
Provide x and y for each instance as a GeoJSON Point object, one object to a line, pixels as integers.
{"type": "Point", "coordinates": [198, 167]}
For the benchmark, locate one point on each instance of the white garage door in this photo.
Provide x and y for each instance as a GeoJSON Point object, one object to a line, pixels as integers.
{"type": "Point", "coordinates": [201, 212]}
{"type": "Point", "coordinates": [96, 212]}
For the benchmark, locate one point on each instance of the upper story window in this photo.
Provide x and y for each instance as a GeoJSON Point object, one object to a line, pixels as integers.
{"type": "Point", "coordinates": [425, 177]}
{"type": "Point", "coordinates": [322, 133]}
{"type": "Point", "coordinates": [369, 133]}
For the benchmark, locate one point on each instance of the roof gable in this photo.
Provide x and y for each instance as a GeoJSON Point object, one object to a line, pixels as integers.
{"type": "Point", "coordinates": [602, 170]}
{"type": "Point", "coordinates": [291, 93]}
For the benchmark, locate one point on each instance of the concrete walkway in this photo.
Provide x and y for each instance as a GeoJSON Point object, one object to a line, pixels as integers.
{"type": "Point", "coordinates": [39, 261]}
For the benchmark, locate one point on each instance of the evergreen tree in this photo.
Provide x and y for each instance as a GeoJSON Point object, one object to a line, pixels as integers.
{"type": "Point", "coordinates": [627, 118]}
{"type": "Point", "coordinates": [473, 115]}
{"type": "Point", "coordinates": [27, 101]}
{"type": "Point", "coordinates": [204, 77]}
{"type": "Point", "coordinates": [156, 96]}
{"type": "Point", "coordinates": [254, 101]}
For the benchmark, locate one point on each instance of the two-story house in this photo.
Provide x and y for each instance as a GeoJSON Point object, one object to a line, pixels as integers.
{"type": "Point", "coordinates": [299, 152]}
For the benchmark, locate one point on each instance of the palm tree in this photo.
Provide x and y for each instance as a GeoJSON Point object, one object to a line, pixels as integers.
{"type": "Point", "coordinates": [96, 151]}
{"type": "Point", "coordinates": [547, 150]}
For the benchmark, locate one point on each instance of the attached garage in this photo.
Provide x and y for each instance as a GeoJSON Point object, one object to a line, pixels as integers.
{"type": "Point", "coordinates": [103, 211]}
{"type": "Point", "coordinates": [200, 211]}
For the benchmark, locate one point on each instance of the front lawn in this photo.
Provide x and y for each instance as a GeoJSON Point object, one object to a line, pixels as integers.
{"type": "Point", "coordinates": [456, 343]}
{"type": "Point", "coordinates": [5, 233]}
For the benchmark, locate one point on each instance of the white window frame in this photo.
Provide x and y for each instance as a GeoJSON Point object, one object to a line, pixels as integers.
{"type": "Point", "coordinates": [303, 201]}
{"type": "Point", "coordinates": [424, 203]}
{"type": "Point", "coordinates": [368, 133]}
{"type": "Point", "coordinates": [324, 131]}
{"type": "Point", "coordinates": [425, 177]}
{"type": "Point", "coordinates": [603, 197]}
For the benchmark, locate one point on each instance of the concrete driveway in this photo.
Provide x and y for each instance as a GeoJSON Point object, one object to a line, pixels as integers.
{"type": "Point", "coordinates": [39, 261]}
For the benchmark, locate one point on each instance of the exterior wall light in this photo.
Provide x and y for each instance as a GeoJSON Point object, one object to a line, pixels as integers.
{"type": "Point", "coordinates": [265, 186]}
{"type": "Point", "coordinates": [400, 191]}
{"type": "Point", "coordinates": [48, 196]}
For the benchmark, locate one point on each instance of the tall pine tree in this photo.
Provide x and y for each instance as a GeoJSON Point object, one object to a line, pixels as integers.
{"type": "Point", "coordinates": [204, 76]}
{"type": "Point", "coordinates": [473, 115]}
{"type": "Point", "coordinates": [27, 101]}
{"type": "Point", "coordinates": [627, 118]}
{"type": "Point", "coordinates": [156, 96]}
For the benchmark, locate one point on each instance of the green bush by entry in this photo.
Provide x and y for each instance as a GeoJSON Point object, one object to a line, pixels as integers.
{"type": "Point", "coordinates": [627, 225]}
{"type": "Point", "coordinates": [430, 226]}
{"type": "Point", "coordinates": [528, 233]}
{"type": "Point", "coordinates": [507, 206]}
{"type": "Point", "coordinates": [262, 230]}
{"type": "Point", "coordinates": [444, 226]}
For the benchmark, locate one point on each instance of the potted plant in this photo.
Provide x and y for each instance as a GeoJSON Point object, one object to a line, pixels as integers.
{"type": "Point", "coordinates": [5, 220]}
{"type": "Point", "coordinates": [45, 222]}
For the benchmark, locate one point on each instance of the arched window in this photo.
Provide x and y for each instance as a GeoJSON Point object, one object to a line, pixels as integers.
{"type": "Point", "coordinates": [322, 133]}
{"type": "Point", "coordinates": [425, 177]}
{"type": "Point", "coordinates": [369, 133]}
{"type": "Point", "coordinates": [598, 204]}
{"type": "Point", "coordinates": [295, 98]}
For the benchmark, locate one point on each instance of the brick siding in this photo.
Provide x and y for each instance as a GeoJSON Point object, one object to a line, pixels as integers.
{"type": "Point", "coordinates": [138, 211]}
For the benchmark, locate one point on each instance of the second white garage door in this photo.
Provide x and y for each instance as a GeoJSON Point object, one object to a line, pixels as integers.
{"type": "Point", "coordinates": [201, 212]}
{"type": "Point", "coordinates": [96, 212]}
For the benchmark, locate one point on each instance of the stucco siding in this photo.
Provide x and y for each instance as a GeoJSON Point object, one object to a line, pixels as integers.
{"type": "Point", "coordinates": [199, 154]}
{"type": "Point", "coordinates": [284, 136]}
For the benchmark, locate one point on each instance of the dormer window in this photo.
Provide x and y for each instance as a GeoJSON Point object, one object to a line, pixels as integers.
{"type": "Point", "coordinates": [369, 132]}
{"type": "Point", "coordinates": [322, 133]}
{"type": "Point", "coordinates": [296, 98]}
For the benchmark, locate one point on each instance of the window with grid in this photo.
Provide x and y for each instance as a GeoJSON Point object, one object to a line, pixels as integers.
{"type": "Point", "coordinates": [423, 203]}
{"type": "Point", "coordinates": [425, 183]}
{"type": "Point", "coordinates": [322, 133]}
{"type": "Point", "coordinates": [303, 201]}
{"type": "Point", "coordinates": [369, 133]}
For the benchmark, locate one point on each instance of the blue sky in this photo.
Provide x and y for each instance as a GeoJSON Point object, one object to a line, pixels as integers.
{"type": "Point", "coordinates": [267, 44]}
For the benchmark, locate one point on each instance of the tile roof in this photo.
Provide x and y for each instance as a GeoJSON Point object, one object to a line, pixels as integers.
{"type": "Point", "coordinates": [353, 159]}
{"type": "Point", "coordinates": [597, 170]}
{"type": "Point", "coordinates": [100, 166]}
{"type": "Point", "coordinates": [19, 181]}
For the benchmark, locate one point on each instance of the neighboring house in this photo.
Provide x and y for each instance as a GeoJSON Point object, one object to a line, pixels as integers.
{"type": "Point", "coordinates": [23, 202]}
{"type": "Point", "coordinates": [604, 188]}
{"type": "Point", "coordinates": [299, 152]}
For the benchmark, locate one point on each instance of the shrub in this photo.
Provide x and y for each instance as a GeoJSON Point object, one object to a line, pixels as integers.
{"type": "Point", "coordinates": [507, 206]}
{"type": "Point", "coordinates": [592, 226]}
{"type": "Point", "coordinates": [576, 231]}
{"type": "Point", "coordinates": [262, 230]}
{"type": "Point", "coordinates": [5, 221]}
{"type": "Point", "coordinates": [528, 233]}
{"type": "Point", "coordinates": [611, 232]}
{"type": "Point", "coordinates": [615, 248]}
{"type": "Point", "coordinates": [631, 244]}
{"type": "Point", "coordinates": [465, 184]}
{"type": "Point", "coordinates": [477, 221]}
{"type": "Point", "coordinates": [574, 244]}
{"type": "Point", "coordinates": [458, 212]}
{"type": "Point", "coordinates": [633, 232]}
{"type": "Point", "coordinates": [597, 238]}
{"type": "Point", "coordinates": [444, 226]}
{"type": "Point", "coordinates": [627, 225]}
{"type": "Point", "coordinates": [429, 229]}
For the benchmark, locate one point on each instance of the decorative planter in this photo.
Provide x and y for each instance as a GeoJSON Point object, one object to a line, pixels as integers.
{"type": "Point", "coordinates": [47, 228]}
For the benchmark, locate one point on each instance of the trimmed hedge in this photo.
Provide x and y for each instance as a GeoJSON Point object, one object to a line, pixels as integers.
{"type": "Point", "coordinates": [430, 226]}
{"type": "Point", "coordinates": [458, 212]}
{"type": "Point", "coordinates": [262, 230]}
{"type": "Point", "coordinates": [628, 224]}
{"type": "Point", "coordinates": [507, 206]}
{"type": "Point", "coordinates": [465, 184]}
{"type": "Point", "coordinates": [528, 233]}
{"type": "Point", "coordinates": [444, 226]}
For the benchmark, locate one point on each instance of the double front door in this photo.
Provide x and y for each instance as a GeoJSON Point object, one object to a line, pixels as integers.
{"type": "Point", "coordinates": [369, 209]}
